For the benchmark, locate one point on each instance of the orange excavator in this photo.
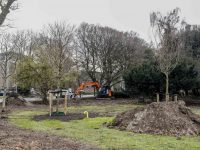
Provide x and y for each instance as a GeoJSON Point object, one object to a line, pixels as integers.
{"type": "Point", "coordinates": [103, 90]}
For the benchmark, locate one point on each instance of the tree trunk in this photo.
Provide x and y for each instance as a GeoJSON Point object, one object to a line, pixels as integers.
{"type": "Point", "coordinates": [4, 99]}
{"type": "Point", "coordinates": [167, 87]}
{"type": "Point", "coordinates": [44, 97]}
{"type": "Point", "coordinates": [5, 11]}
{"type": "Point", "coordinates": [58, 95]}
{"type": "Point", "coordinates": [94, 91]}
{"type": "Point", "coordinates": [186, 92]}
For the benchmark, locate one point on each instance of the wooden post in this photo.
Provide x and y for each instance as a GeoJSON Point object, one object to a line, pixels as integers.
{"type": "Point", "coordinates": [175, 97]}
{"type": "Point", "coordinates": [65, 103]}
{"type": "Point", "coordinates": [50, 103]}
{"type": "Point", "coordinates": [167, 97]}
{"type": "Point", "coordinates": [157, 97]}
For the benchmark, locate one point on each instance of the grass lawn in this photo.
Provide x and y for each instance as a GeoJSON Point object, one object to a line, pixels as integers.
{"type": "Point", "coordinates": [91, 131]}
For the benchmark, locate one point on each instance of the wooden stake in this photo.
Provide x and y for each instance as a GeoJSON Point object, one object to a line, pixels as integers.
{"type": "Point", "coordinates": [157, 97]}
{"type": "Point", "coordinates": [65, 103]}
{"type": "Point", "coordinates": [175, 97]}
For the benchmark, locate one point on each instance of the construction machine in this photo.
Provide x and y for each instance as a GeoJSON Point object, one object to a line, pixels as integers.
{"type": "Point", "coordinates": [103, 90]}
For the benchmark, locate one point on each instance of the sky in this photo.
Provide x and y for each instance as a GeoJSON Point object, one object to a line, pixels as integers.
{"type": "Point", "coordinates": [123, 15]}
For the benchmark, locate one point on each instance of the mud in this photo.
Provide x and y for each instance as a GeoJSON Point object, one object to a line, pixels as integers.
{"type": "Point", "coordinates": [68, 117]}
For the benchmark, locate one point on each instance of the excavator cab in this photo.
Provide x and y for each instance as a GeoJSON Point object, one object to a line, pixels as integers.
{"type": "Point", "coordinates": [104, 92]}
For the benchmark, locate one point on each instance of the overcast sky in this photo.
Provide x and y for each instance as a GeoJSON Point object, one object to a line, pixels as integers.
{"type": "Point", "coordinates": [123, 15]}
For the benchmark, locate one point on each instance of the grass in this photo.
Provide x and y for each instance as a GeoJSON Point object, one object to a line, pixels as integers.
{"type": "Point", "coordinates": [195, 109]}
{"type": "Point", "coordinates": [91, 131]}
{"type": "Point", "coordinates": [1, 97]}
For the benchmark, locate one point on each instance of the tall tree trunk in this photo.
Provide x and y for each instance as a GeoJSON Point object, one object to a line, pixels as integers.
{"type": "Point", "coordinates": [44, 96]}
{"type": "Point", "coordinates": [4, 99]}
{"type": "Point", "coordinates": [94, 91]}
{"type": "Point", "coordinates": [167, 87]}
{"type": "Point", "coordinates": [58, 94]}
{"type": "Point", "coordinates": [5, 11]}
{"type": "Point", "coordinates": [186, 92]}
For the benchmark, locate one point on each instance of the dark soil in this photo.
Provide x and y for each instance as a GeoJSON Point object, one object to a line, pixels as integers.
{"type": "Point", "coordinates": [190, 102]}
{"type": "Point", "coordinates": [164, 118]}
{"type": "Point", "coordinates": [68, 117]}
{"type": "Point", "coordinates": [11, 101]}
{"type": "Point", "coordinates": [92, 102]}
{"type": "Point", "coordinates": [15, 99]}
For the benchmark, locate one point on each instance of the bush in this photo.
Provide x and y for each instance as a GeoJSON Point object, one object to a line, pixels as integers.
{"type": "Point", "coordinates": [119, 94]}
{"type": "Point", "coordinates": [23, 91]}
{"type": "Point", "coordinates": [144, 79]}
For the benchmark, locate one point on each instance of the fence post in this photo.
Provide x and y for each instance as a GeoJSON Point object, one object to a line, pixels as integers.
{"type": "Point", "coordinates": [175, 97]}
{"type": "Point", "coordinates": [157, 97]}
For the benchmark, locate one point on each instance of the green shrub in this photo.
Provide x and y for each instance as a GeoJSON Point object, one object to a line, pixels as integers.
{"type": "Point", "coordinates": [120, 94]}
{"type": "Point", "coordinates": [23, 91]}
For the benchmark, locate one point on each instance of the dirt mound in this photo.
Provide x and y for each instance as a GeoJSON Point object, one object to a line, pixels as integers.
{"type": "Point", "coordinates": [15, 99]}
{"type": "Point", "coordinates": [163, 118]}
{"type": "Point", "coordinates": [68, 117]}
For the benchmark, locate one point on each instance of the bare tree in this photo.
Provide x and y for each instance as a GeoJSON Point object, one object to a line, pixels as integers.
{"type": "Point", "coordinates": [58, 39]}
{"type": "Point", "coordinates": [106, 52]}
{"type": "Point", "coordinates": [166, 36]}
{"type": "Point", "coordinates": [9, 57]}
{"type": "Point", "coordinates": [86, 49]}
{"type": "Point", "coordinates": [6, 6]}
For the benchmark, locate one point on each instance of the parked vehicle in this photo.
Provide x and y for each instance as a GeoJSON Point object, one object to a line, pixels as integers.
{"type": "Point", "coordinates": [1, 93]}
{"type": "Point", "coordinates": [69, 94]}
{"type": "Point", "coordinates": [103, 90]}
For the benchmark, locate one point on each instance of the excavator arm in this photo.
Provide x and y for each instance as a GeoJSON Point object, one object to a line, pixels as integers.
{"type": "Point", "coordinates": [86, 84]}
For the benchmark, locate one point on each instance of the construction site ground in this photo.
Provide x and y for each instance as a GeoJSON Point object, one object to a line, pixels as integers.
{"type": "Point", "coordinates": [13, 137]}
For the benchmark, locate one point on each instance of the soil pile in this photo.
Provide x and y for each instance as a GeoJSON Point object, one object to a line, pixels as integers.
{"type": "Point", "coordinates": [68, 117]}
{"type": "Point", "coordinates": [15, 99]}
{"type": "Point", "coordinates": [163, 118]}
